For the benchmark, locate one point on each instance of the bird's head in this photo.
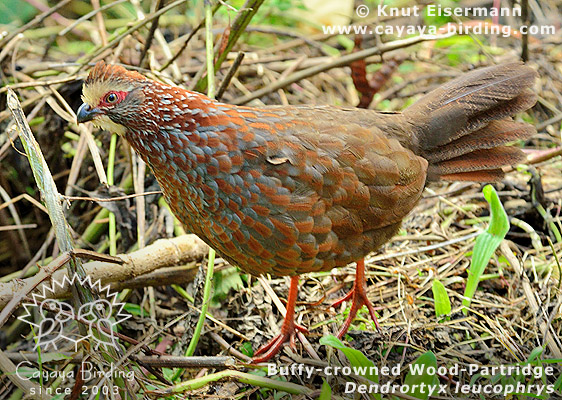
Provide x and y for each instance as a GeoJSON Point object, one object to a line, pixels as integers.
{"type": "Point", "coordinates": [112, 96]}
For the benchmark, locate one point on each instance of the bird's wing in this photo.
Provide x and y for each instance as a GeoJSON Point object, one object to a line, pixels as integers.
{"type": "Point", "coordinates": [313, 194]}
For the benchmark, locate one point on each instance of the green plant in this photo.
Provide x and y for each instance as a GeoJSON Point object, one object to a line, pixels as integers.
{"type": "Point", "coordinates": [442, 302]}
{"type": "Point", "coordinates": [363, 366]}
{"type": "Point", "coordinates": [486, 243]}
{"type": "Point", "coordinates": [422, 377]}
{"type": "Point", "coordinates": [326, 393]}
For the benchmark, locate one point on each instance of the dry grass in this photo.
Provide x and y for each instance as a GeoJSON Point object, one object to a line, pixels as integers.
{"type": "Point", "coordinates": [513, 309]}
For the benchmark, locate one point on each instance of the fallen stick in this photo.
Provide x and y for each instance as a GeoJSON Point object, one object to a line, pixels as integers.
{"type": "Point", "coordinates": [160, 254]}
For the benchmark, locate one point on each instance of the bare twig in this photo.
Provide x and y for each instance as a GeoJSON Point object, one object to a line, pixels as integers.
{"type": "Point", "coordinates": [132, 29]}
{"type": "Point", "coordinates": [550, 337]}
{"type": "Point", "coordinates": [45, 273]}
{"type": "Point", "coordinates": [108, 200]}
{"type": "Point", "coordinates": [100, 22]}
{"type": "Point", "coordinates": [90, 15]}
{"type": "Point", "coordinates": [29, 387]}
{"type": "Point", "coordinates": [16, 219]}
{"type": "Point", "coordinates": [338, 62]}
{"type": "Point", "coordinates": [188, 39]}
{"type": "Point", "coordinates": [186, 362]}
{"type": "Point", "coordinates": [230, 74]}
{"type": "Point", "coordinates": [156, 6]}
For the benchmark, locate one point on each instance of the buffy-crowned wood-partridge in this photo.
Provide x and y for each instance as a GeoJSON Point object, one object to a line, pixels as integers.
{"type": "Point", "coordinates": [289, 190]}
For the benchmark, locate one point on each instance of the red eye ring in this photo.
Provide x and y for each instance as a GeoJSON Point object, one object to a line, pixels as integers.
{"type": "Point", "coordinates": [112, 98]}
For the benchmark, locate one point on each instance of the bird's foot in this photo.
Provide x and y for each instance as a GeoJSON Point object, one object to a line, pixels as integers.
{"type": "Point", "coordinates": [288, 332]}
{"type": "Point", "coordinates": [360, 299]}
{"type": "Point", "coordinates": [358, 295]}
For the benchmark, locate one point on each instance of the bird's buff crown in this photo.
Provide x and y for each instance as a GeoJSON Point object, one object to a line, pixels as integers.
{"type": "Point", "coordinates": [105, 77]}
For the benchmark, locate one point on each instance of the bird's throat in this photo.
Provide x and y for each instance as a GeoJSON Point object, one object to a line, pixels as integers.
{"type": "Point", "coordinates": [105, 123]}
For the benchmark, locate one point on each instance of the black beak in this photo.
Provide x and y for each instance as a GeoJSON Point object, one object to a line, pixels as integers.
{"type": "Point", "coordinates": [85, 113]}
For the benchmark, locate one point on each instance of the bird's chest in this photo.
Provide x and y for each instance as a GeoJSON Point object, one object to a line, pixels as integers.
{"type": "Point", "coordinates": [190, 177]}
{"type": "Point", "coordinates": [189, 190]}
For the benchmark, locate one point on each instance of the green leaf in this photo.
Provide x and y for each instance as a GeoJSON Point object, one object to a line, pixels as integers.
{"type": "Point", "coordinates": [15, 12]}
{"type": "Point", "coordinates": [224, 281]}
{"type": "Point", "coordinates": [134, 309]}
{"type": "Point", "coordinates": [246, 348]}
{"type": "Point", "coordinates": [169, 373]}
{"type": "Point", "coordinates": [558, 384]}
{"type": "Point", "coordinates": [355, 357]}
{"type": "Point", "coordinates": [50, 357]}
{"type": "Point", "coordinates": [346, 42]}
{"type": "Point", "coordinates": [486, 243]}
{"type": "Point", "coordinates": [419, 379]}
{"type": "Point", "coordinates": [26, 372]}
{"type": "Point", "coordinates": [280, 395]}
{"type": "Point", "coordinates": [326, 393]}
{"type": "Point", "coordinates": [535, 354]}
{"type": "Point", "coordinates": [442, 302]}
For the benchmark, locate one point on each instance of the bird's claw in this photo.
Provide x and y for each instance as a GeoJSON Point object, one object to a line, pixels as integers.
{"type": "Point", "coordinates": [271, 348]}
{"type": "Point", "coordinates": [360, 299]}
{"type": "Point", "coordinates": [340, 301]}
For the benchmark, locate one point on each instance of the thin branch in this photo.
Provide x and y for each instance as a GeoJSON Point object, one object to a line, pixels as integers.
{"type": "Point", "coordinates": [90, 15]}
{"type": "Point", "coordinates": [160, 254]}
{"type": "Point", "coordinates": [132, 29]}
{"type": "Point", "coordinates": [118, 198]}
{"type": "Point", "coordinates": [150, 37]}
{"type": "Point", "coordinates": [230, 74]}
{"type": "Point", "coordinates": [338, 62]}
{"type": "Point", "coordinates": [188, 39]}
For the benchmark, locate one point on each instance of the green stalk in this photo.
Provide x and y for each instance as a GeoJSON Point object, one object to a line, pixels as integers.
{"type": "Point", "coordinates": [209, 48]}
{"type": "Point", "coordinates": [548, 219]}
{"type": "Point", "coordinates": [239, 25]}
{"type": "Point", "coordinates": [183, 293]}
{"type": "Point", "coordinates": [242, 377]}
{"type": "Point", "coordinates": [51, 196]}
{"type": "Point", "coordinates": [110, 180]}
{"type": "Point", "coordinates": [206, 299]}
{"type": "Point", "coordinates": [211, 258]}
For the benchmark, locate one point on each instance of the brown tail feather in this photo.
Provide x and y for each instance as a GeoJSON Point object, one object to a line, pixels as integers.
{"type": "Point", "coordinates": [466, 125]}
{"type": "Point", "coordinates": [490, 175]}
{"type": "Point", "coordinates": [497, 133]}
{"type": "Point", "coordinates": [477, 160]}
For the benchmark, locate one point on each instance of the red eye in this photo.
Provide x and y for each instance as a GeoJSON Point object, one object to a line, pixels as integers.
{"type": "Point", "coordinates": [111, 98]}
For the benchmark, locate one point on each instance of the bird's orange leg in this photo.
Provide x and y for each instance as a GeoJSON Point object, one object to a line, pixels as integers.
{"type": "Point", "coordinates": [359, 295]}
{"type": "Point", "coordinates": [288, 329]}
